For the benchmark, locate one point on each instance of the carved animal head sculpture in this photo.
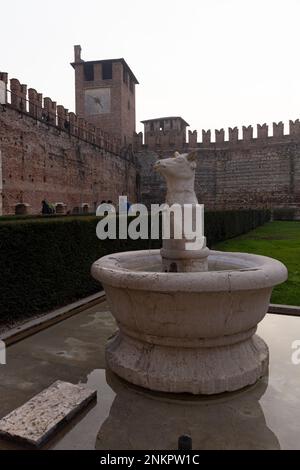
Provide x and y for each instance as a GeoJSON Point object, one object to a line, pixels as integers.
{"type": "Point", "coordinates": [179, 172]}
{"type": "Point", "coordinates": [180, 165]}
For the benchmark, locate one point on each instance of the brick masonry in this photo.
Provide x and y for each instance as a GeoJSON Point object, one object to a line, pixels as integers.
{"type": "Point", "coordinates": [260, 172]}
{"type": "Point", "coordinates": [119, 119]}
{"type": "Point", "coordinates": [50, 153]}
{"type": "Point", "coordinates": [41, 161]}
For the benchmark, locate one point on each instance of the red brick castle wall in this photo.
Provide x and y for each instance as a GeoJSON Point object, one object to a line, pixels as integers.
{"type": "Point", "coordinates": [49, 153]}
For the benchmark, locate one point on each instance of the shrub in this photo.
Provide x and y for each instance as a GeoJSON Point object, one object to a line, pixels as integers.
{"type": "Point", "coordinates": [287, 213]}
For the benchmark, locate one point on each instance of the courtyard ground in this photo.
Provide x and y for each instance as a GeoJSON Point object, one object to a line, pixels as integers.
{"type": "Point", "coordinates": [263, 416]}
{"type": "Point", "coordinates": [279, 240]}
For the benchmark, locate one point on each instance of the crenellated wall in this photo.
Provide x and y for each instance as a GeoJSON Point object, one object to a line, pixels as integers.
{"type": "Point", "coordinates": [49, 153]}
{"type": "Point", "coordinates": [234, 172]}
{"type": "Point", "coordinates": [46, 110]}
{"type": "Point", "coordinates": [163, 133]}
{"type": "Point", "coordinates": [166, 139]}
{"type": "Point", "coordinates": [247, 134]}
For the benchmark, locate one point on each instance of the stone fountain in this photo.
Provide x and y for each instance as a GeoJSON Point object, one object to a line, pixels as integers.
{"type": "Point", "coordinates": [187, 318]}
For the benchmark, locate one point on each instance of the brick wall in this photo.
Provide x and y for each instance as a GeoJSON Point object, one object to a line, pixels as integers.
{"type": "Point", "coordinates": [247, 173]}
{"type": "Point", "coordinates": [50, 153]}
{"type": "Point", "coordinates": [249, 176]}
{"type": "Point", "coordinates": [46, 155]}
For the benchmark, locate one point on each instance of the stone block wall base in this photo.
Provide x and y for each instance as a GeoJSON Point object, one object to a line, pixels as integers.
{"type": "Point", "coordinates": [207, 371]}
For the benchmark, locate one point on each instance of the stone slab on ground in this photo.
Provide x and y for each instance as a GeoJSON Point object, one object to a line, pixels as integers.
{"type": "Point", "coordinates": [36, 420]}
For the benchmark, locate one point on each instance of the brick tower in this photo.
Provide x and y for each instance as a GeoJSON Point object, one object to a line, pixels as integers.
{"type": "Point", "coordinates": [105, 95]}
{"type": "Point", "coordinates": [165, 132]}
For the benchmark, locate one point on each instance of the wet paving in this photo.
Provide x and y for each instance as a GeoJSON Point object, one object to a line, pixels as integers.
{"type": "Point", "coordinates": [264, 416]}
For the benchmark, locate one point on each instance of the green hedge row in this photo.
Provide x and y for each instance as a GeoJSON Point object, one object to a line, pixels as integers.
{"type": "Point", "coordinates": [33, 217]}
{"type": "Point", "coordinates": [287, 213]}
{"type": "Point", "coordinates": [222, 225]}
{"type": "Point", "coordinates": [45, 262]}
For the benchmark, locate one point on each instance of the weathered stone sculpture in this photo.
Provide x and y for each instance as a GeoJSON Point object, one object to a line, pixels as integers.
{"type": "Point", "coordinates": [179, 172]}
{"type": "Point", "coordinates": [187, 331]}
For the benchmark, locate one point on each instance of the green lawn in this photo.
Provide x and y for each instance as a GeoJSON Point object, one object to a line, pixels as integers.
{"type": "Point", "coordinates": [280, 240]}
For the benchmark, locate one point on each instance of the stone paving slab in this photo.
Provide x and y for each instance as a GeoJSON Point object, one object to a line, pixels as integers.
{"type": "Point", "coordinates": [36, 420]}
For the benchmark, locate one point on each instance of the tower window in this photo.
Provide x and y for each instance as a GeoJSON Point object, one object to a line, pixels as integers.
{"type": "Point", "coordinates": [88, 72]}
{"type": "Point", "coordinates": [125, 75]}
{"type": "Point", "coordinates": [106, 70]}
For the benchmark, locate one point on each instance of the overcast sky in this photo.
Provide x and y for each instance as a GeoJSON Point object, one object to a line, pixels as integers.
{"type": "Point", "coordinates": [216, 63]}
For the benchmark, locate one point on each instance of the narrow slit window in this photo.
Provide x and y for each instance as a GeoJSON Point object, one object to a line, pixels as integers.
{"type": "Point", "coordinates": [89, 72]}
{"type": "Point", "coordinates": [106, 70]}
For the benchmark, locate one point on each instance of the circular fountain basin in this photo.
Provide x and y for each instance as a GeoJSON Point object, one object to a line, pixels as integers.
{"type": "Point", "coordinates": [188, 332]}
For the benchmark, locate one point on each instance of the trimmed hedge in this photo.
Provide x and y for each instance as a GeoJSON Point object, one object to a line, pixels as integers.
{"type": "Point", "coordinates": [287, 213]}
{"type": "Point", "coordinates": [33, 217]}
{"type": "Point", "coordinates": [46, 262]}
{"type": "Point", "coordinates": [222, 225]}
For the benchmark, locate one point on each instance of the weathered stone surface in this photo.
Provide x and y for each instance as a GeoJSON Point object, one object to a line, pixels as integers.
{"type": "Point", "coordinates": [199, 370]}
{"type": "Point", "coordinates": [37, 419]}
{"type": "Point", "coordinates": [179, 173]}
{"type": "Point", "coordinates": [188, 331]}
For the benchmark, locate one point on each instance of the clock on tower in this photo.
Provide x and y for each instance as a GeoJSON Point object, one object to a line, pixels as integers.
{"type": "Point", "coordinates": [105, 95]}
{"type": "Point", "coordinates": [97, 101]}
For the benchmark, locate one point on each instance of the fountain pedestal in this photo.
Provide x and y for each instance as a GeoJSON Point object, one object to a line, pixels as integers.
{"type": "Point", "coordinates": [196, 370]}
{"type": "Point", "coordinates": [175, 257]}
{"type": "Point", "coordinates": [188, 332]}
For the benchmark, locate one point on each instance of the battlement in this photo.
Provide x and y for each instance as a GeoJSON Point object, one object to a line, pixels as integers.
{"type": "Point", "coordinates": [159, 135]}
{"type": "Point", "coordinates": [31, 103]}
{"type": "Point", "coordinates": [246, 134]}
{"type": "Point", "coordinates": [163, 133]}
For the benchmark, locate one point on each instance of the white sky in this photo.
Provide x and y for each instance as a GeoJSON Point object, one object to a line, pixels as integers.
{"type": "Point", "coordinates": [216, 63]}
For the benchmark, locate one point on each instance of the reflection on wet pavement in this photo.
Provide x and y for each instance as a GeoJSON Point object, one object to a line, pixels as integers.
{"type": "Point", "coordinates": [264, 416]}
